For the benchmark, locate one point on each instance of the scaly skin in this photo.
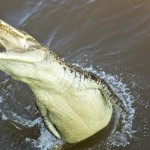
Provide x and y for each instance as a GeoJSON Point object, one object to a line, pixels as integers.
{"type": "Point", "coordinates": [74, 104]}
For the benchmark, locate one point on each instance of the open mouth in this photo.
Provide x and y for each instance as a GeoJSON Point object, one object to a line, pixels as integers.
{"type": "Point", "coordinates": [2, 49]}
{"type": "Point", "coordinates": [17, 45]}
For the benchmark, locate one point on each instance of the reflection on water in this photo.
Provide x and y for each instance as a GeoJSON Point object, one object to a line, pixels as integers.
{"type": "Point", "coordinates": [113, 37]}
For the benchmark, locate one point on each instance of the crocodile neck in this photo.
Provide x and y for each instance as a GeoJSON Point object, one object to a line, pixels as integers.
{"type": "Point", "coordinates": [58, 72]}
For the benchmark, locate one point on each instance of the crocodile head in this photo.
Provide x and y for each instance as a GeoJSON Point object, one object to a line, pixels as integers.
{"type": "Point", "coordinates": [21, 51]}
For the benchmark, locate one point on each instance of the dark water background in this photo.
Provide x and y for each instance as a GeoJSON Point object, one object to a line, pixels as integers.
{"type": "Point", "coordinates": [112, 36]}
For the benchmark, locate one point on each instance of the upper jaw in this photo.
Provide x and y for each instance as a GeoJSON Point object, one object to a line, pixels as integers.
{"type": "Point", "coordinates": [19, 46]}
{"type": "Point", "coordinates": [8, 28]}
{"type": "Point", "coordinates": [14, 39]}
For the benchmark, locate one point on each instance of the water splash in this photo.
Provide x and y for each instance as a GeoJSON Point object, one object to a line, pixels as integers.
{"type": "Point", "coordinates": [46, 141]}
{"type": "Point", "coordinates": [121, 137]}
{"type": "Point", "coordinates": [117, 137]}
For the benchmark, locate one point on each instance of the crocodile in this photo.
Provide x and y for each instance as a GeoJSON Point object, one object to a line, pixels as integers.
{"type": "Point", "coordinates": [74, 103]}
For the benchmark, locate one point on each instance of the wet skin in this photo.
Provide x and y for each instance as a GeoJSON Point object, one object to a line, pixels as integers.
{"type": "Point", "coordinates": [74, 104]}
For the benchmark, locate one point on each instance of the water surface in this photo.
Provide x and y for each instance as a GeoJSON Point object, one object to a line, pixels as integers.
{"type": "Point", "coordinates": [110, 38]}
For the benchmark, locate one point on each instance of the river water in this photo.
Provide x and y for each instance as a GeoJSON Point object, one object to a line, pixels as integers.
{"type": "Point", "coordinates": [110, 38]}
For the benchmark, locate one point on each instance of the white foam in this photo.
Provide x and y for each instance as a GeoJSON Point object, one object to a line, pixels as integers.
{"type": "Point", "coordinates": [1, 99]}
{"type": "Point", "coordinates": [46, 140]}
{"type": "Point", "coordinates": [4, 116]}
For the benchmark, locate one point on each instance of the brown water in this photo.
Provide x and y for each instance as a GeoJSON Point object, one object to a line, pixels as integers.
{"type": "Point", "coordinates": [111, 37]}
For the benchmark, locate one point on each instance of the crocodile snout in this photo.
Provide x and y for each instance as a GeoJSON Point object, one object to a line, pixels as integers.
{"type": "Point", "coordinates": [14, 39]}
